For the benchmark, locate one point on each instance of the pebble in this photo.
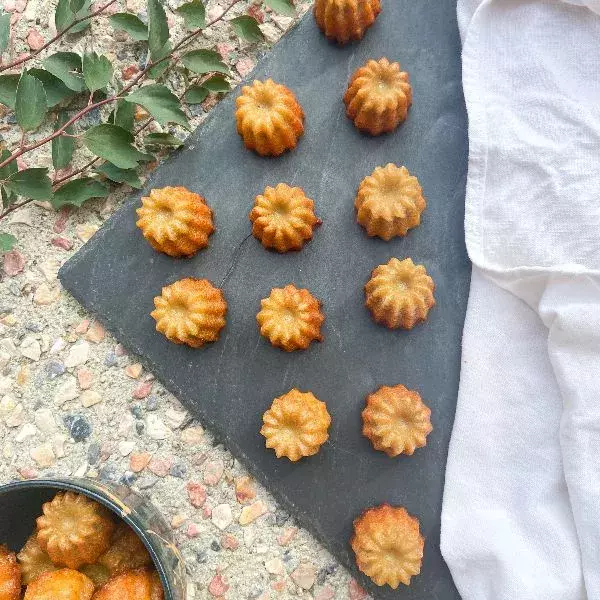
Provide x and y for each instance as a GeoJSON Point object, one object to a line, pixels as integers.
{"type": "Point", "coordinates": [85, 378]}
{"type": "Point", "coordinates": [179, 470]}
{"type": "Point", "coordinates": [78, 426]}
{"type": "Point", "coordinates": [13, 263]}
{"type": "Point", "coordinates": [82, 327]}
{"type": "Point", "coordinates": [245, 490]}
{"type": "Point", "coordinates": [55, 369]}
{"type": "Point", "coordinates": [133, 371]}
{"type": "Point", "coordinates": [90, 398]}
{"type": "Point", "coordinates": [93, 453]}
{"type": "Point", "coordinates": [213, 471]}
{"type": "Point", "coordinates": [142, 390]}
{"type": "Point", "coordinates": [49, 269]}
{"type": "Point", "coordinates": [85, 231]}
{"type": "Point", "coordinates": [175, 418]}
{"type": "Point", "coordinates": [30, 348]}
{"type": "Point", "coordinates": [192, 436]}
{"type": "Point", "coordinates": [61, 242]}
{"type": "Point", "coordinates": [63, 215]}
{"type": "Point", "coordinates": [139, 427]}
{"type": "Point", "coordinates": [78, 355]}
{"type": "Point", "coordinates": [178, 520]}
{"type": "Point", "coordinates": [110, 360]}
{"type": "Point", "coordinates": [136, 411]}
{"type": "Point", "coordinates": [95, 333]}
{"type": "Point", "coordinates": [14, 414]}
{"type": "Point", "coordinates": [128, 72]}
{"type": "Point", "coordinates": [325, 593]}
{"type": "Point", "coordinates": [196, 494]}
{"type": "Point", "coordinates": [244, 66]}
{"type": "Point", "coordinates": [355, 592]}
{"type": "Point", "coordinates": [34, 39]}
{"type": "Point", "coordinates": [229, 542]}
{"type": "Point", "coordinates": [128, 478]}
{"type": "Point", "coordinates": [139, 461]}
{"type": "Point", "coordinates": [27, 431]}
{"type": "Point", "coordinates": [281, 517]}
{"type": "Point", "coordinates": [58, 345]}
{"type": "Point", "coordinates": [160, 466]}
{"type": "Point", "coordinates": [66, 391]}
{"type": "Point", "coordinates": [304, 575]}
{"type": "Point", "coordinates": [156, 427]}
{"type": "Point", "coordinates": [43, 455]}
{"type": "Point", "coordinates": [192, 530]}
{"type": "Point", "coordinates": [275, 566]}
{"type": "Point", "coordinates": [152, 403]}
{"type": "Point", "coordinates": [28, 473]}
{"type": "Point", "coordinates": [222, 516]}
{"type": "Point", "coordinates": [214, 546]}
{"type": "Point", "coordinates": [109, 473]}
{"type": "Point", "coordinates": [217, 587]}
{"type": "Point", "coordinates": [146, 482]}
{"type": "Point", "coordinates": [46, 295]}
{"type": "Point", "coordinates": [125, 426]}
{"type": "Point", "coordinates": [120, 350]}
{"type": "Point", "coordinates": [252, 512]}
{"type": "Point", "coordinates": [58, 444]}
{"type": "Point", "coordinates": [279, 585]}
{"type": "Point", "coordinates": [289, 533]}
{"type": "Point", "coordinates": [45, 421]}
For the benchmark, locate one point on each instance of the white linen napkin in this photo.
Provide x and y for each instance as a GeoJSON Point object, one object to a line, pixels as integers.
{"type": "Point", "coordinates": [520, 513]}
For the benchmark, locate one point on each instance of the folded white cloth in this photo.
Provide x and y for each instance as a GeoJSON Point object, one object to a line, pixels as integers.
{"type": "Point", "coordinates": [522, 488]}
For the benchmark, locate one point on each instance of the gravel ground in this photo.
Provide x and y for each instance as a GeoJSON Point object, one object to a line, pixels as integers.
{"type": "Point", "coordinates": [72, 402]}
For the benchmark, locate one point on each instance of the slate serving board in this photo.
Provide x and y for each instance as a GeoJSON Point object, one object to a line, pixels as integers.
{"type": "Point", "coordinates": [229, 384]}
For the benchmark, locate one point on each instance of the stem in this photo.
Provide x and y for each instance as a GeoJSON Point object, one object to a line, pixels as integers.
{"type": "Point", "coordinates": [14, 207]}
{"type": "Point", "coordinates": [55, 38]}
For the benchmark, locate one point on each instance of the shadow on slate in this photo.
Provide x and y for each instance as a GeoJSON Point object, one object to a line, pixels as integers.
{"type": "Point", "coordinates": [229, 384]}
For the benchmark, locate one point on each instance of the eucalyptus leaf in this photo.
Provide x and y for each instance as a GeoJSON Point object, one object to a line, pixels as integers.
{"type": "Point", "coordinates": [128, 176]}
{"type": "Point", "coordinates": [157, 70]}
{"type": "Point", "coordinates": [7, 241]}
{"type": "Point", "coordinates": [113, 143]}
{"type": "Point", "coordinates": [124, 115]}
{"type": "Point", "coordinates": [30, 104]}
{"type": "Point", "coordinates": [283, 7]}
{"type": "Point", "coordinates": [4, 31]}
{"type": "Point", "coordinates": [56, 90]}
{"type": "Point", "coordinates": [204, 61]}
{"type": "Point", "coordinates": [247, 28]}
{"type": "Point", "coordinates": [97, 71]}
{"type": "Point", "coordinates": [158, 28]}
{"type": "Point", "coordinates": [77, 191]}
{"type": "Point", "coordinates": [131, 24]}
{"type": "Point", "coordinates": [8, 90]}
{"type": "Point", "coordinates": [67, 67]}
{"type": "Point", "coordinates": [160, 102]}
{"type": "Point", "coordinates": [62, 146]}
{"type": "Point", "coordinates": [76, 5]}
{"type": "Point", "coordinates": [30, 183]}
{"type": "Point", "coordinates": [162, 139]}
{"type": "Point", "coordinates": [217, 83]}
{"type": "Point", "coordinates": [194, 14]}
{"type": "Point", "coordinates": [9, 169]}
{"type": "Point", "coordinates": [196, 94]}
{"type": "Point", "coordinates": [64, 16]}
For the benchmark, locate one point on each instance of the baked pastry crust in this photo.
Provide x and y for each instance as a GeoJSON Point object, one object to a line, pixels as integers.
{"type": "Point", "coordinates": [399, 294]}
{"type": "Point", "coordinates": [396, 420]}
{"type": "Point", "coordinates": [126, 552]}
{"type": "Point", "coordinates": [175, 221]}
{"type": "Point", "coordinates": [10, 575]}
{"type": "Point", "coordinates": [296, 425]}
{"type": "Point", "coordinates": [344, 21]}
{"type": "Point", "coordinates": [283, 218]}
{"type": "Point", "coordinates": [269, 118]}
{"type": "Point", "coordinates": [140, 584]}
{"type": "Point", "coordinates": [98, 573]}
{"type": "Point", "coordinates": [33, 560]}
{"type": "Point", "coordinates": [190, 311]}
{"type": "Point", "coordinates": [290, 318]}
{"type": "Point", "coordinates": [389, 202]}
{"type": "Point", "coordinates": [378, 96]}
{"type": "Point", "coordinates": [74, 530]}
{"type": "Point", "coordinates": [388, 545]}
{"type": "Point", "coordinates": [64, 584]}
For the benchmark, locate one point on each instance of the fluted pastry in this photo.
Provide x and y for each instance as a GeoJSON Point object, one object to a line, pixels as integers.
{"type": "Point", "coordinates": [190, 311]}
{"type": "Point", "coordinates": [396, 420]}
{"type": "Point", "coordinates": [389, 202]}
{"type": "Point", "coordinates": [344, 21]}
{"type": "Point", "coordinates": [283, 218]}
{"type": "Point", "coordinates": [269, 118]}
{"type": "Point", "coordinates": [388, 545]}
{"type": "Point", "coordinates": [126, 552]}
{"type": "Point", "coordinates": [74, 530]}
{"type": "Point", "coordinates": [296, 425]}
{"type": "Point", "coordinates": [140, 584]}
{"type": "Point", "coordinates": [378, 96]}
{"type": "Point", "coordinates": [98, 573]}
{"type": "Point", "coordinates": [399, 294]}
{"type": "Point", "coordinates": [64, 584]}
{"type": "Point", "coordinates": [290, 318]}
{"type": "Point", "coordinates": [10, 575]}
{"type": "Point", "coordinates": [33, 560]}
{"type": "Point", "coordinates": [175, 221]}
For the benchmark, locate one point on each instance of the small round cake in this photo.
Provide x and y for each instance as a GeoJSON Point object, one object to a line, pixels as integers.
{"type": "Point", "coordinates": [175, 221]}
{"type": "Point", "coordinates": [396, 420]}
{"type": "Point", "coordinates": [399, 294]}
{"type": "Point", "coordinates": [290, 318]}
{"type": "Point", "coordinates": [283, 218]}
{"type": "Point", "coordinates": [139, 584]}
{"type": "Point", "coordinates": [190, 311]}
{"type": "Point", "coordinates": [126, 552]}
{"type": "Point", "coordinates": [378, 96]}
{"type": "Point", "coordinates": [10, 575]}
{"type": "Point", "coordinates": [296, 425]}
{"type": "Point", "coordinates": [389, 202]}
{"type": "Point", "coordinates": [388, 545]}
{"type": "Point", "coordinates": [344, 21]}
{"type": "Point", "coordinates": [33, 560]}
{"type": "Point", "coordinates": [269, 118]}
{"type": "Point", "coordinates": [62, 584]}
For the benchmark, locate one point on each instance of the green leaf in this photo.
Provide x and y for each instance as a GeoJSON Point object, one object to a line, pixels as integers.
{"type": "Point", "coordinates": [160, 102]}
{"type": "Point", "coordinates": [30, 106]}
{"type": "Point", "coordinates": [217, 83]}
{"type": "Point", "coordinates": [124, 115]}
{"type": "Point", "coordinates": [10, 168]}
{"type": "Point", "coordinates": [7, 242]}
{"type": "Point", "coordinates": [62, 147]}
{"type": "Point", "coordinates": [158, 29]}
{"type": "Point", "coordinates": [204, 61]}
{"type": "Point", "coordinates": [156, 71]}
{"type": "Point", "coordinates": [31, 183]}
{"type": "Point", "coordinates": [194, 14]}
{"type": "Point", "coordinates": [162, 139]}
{"type": "Point", "coordinates": [196, 94]}
{"type": "Point", "coordinates": [113, 143]}
{"type": "Point", "coordinates": [56, 90]}
{"type": "Point", "coordinates": [131, 24]}
{"type": "Point", "coordinates": [120, 175]}
{"type": "Point", "coordinates": [8, 90]}
{"type": "Point", "coordinates": [283, 7]}
{"type": "Point", "coordinates": [76, 192]}
{"type": "Point", "coordinates": [67, 67]}
{"type": "Point", "coordinates": [64, 16]}
{"type": "Point", "coordinates": [247, 28]}
{"type": "Point", "coordinates": [76, 5]}
{"type": "Point", "coordinates": [4, 31]}
{"type": "Point", "coordinates": [97, 71]}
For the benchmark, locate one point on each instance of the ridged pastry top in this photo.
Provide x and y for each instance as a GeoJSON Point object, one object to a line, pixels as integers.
{"type": "Point", "coordinates": [345, 20]}
{"type": "Point", "coordinates": [64, 584]}
{"type": "Point", "coordinates": [10, 575]}
{"type": "Point", "coordinates": [140, 584]}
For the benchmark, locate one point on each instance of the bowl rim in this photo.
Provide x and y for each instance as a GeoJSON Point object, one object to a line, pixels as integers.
{"type": "Point", "coordinates": [78, 485]}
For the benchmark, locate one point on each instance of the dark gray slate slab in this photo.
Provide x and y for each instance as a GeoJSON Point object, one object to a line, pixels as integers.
{"type": "Point", "coordinates": [229, 384]}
